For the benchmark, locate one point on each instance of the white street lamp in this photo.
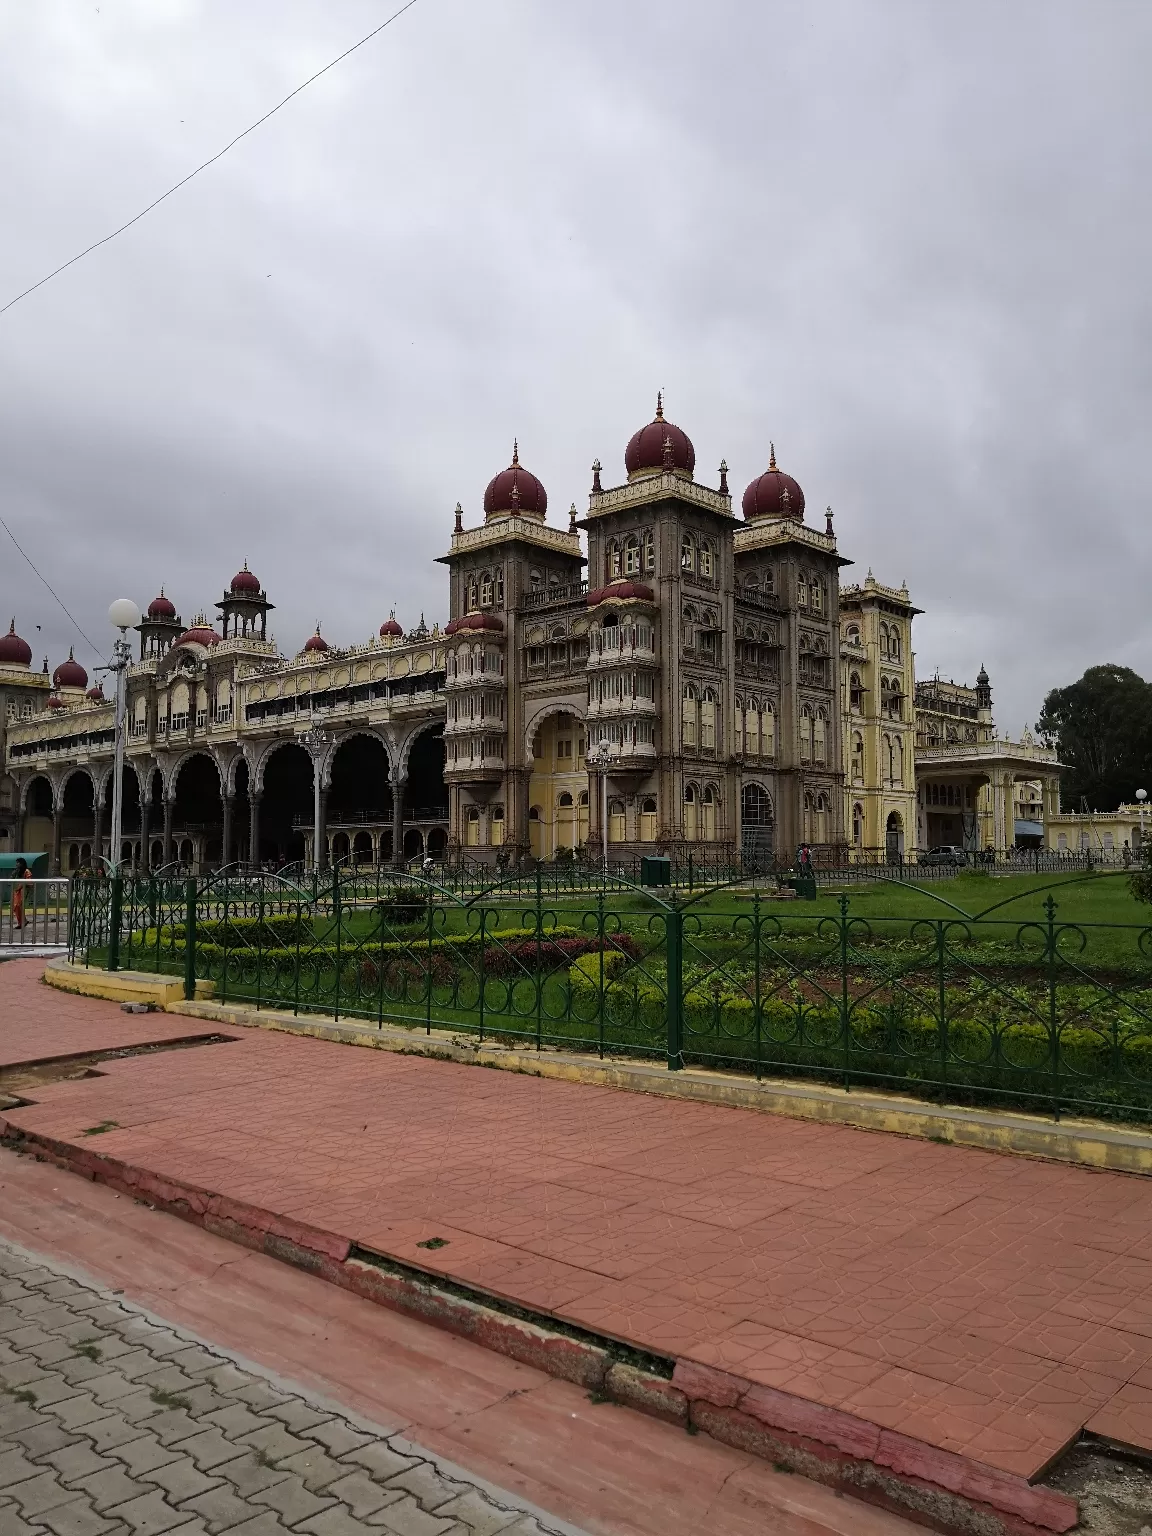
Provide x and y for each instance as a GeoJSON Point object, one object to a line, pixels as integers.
{"type": "Point", "coordinates": [124, 615]}
{"type": "Point", "coordinates": [315, 738]}
{"type": "Point", "coordinates": [1141, 796]}
{"type": "Point", "coordinates": [600, 756]}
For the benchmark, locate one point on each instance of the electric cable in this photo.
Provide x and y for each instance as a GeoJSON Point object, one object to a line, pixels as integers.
{"type": "Point", "coordinates": [51, 589]}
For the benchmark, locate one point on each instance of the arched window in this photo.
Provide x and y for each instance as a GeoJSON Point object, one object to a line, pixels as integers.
{"type": "Point", "coordinates": [805, 734]}
{"type": "Point", "coordinates": [708, 721]}
{"type": "Point", "coordinates": [858, 825]}
{"type": "Point", "coordinates": [632, 556]}
{"type": "Point", "coordinates": [819, 737]}
{"type": "Point", "coordinates": [496, 824]}
{"type": "Point", "coordinates": [706, 562]}
{"type": "Point", "coordinates": [708, 802]}
{"type": "Point", "coordinates": [616, 821]}
{"type": "Point", "coordinates": [738, 727]}
{"type": "Point", "coordinates": [486, 589]}
{"type": "Point", "coordinates": [768, 732]}
{"type": "Point", "coordinates": [855, 694]}
{"type": "Point", "coordinates": [689, 626]}
{"type": "Point", "coordinates": [895, 701]}
{"type": "Point", "coordinates": [817, 596]}
{"type": "Point", "coordinates": [614, 564]}
{"type": "Point", "coordinates": [857, 758]}
{"type": "Point", "coordinates": [649, 553]}
{"type": "Point", "coordinates": [687, 554]}
{"type": "Point", "coordinates": [884, 641]}
{"type": "Point", "coordinates": [755, 806]}
{"type": "Point", "coordinates": [648, 819]}
{"type": "Point", "coordinates": [473, 596]}
{"type": "Point", "coordinates": [690, 717]}
{"type": "Point", "coordinates": [802, 591]}
{"type": "Point", "coordinates": [472, 826]}
{"type": "Point", "coordinates": [752, 729]}
{"type": "Point", "coordinates": [894, 643]}
{"type": "Point", "coordinates": [852, 634]}
{"type": "Point", "coordinates": [820, 820]}
{"type": "Point", "coordinates": [691, 810]}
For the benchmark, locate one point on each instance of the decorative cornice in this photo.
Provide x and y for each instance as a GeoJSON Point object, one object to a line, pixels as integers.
{"type": "Point", "coordinates": [509, 530]}
{"type": "Point", "coordinates": [771, 533]}
{"type": "Point", "coordinates": [660, 487]}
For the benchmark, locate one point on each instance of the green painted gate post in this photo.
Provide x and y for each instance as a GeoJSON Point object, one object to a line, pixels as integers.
{"type": "Point", "coordinates": [116, 904]}
{"type": "Point", "coordinates": [190, 941]}
{"type": "Point", "coordinates": [674, 929]}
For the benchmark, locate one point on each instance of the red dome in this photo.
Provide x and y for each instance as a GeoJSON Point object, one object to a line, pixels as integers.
{"type": "Point", "coordinates": [199, 634]}
{"type": "Point", "coordinates": [316, 642]}
{"type": "Point", "coordinates": [475, 621]}
{"type": "Point", "coordinates": [617, 591]}
{"type": "Point", "coordinates": [515, 489]}
{"type": "Point", "coordinates": [161, 607]}
{"type": "Point", "coordinates": [70, 674]}
{"type": "Point", "coordinates": [244, 582]}
{"type": "Point", "coordinates": [96, 695]}
{"type": "Point", "coordinates": [391, 627]}
{"type": "Point", "coordinates": [773, 494]}
{"type": "Point", "coordinates": [53, 702]}
{"type": "Point", "coordinates": [659, 444]}
{"type": "Point", "coordinates": [14, 652]}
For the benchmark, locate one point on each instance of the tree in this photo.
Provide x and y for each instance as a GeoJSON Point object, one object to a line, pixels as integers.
{"type": "Point", "coordinates": [1101, 728]}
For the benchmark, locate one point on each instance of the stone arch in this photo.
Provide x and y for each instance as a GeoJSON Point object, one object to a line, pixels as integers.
{"type": "Point", "coordinates": [532, 726]}
{"type": "Point", "coordinates": [356, 769]}
{"type": "Point", "coordinates": [26, 795]}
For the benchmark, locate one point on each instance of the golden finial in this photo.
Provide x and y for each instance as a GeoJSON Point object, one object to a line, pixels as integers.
{"type": "Point", "coordinates": [659, 405]}
{"type": "Point", "coordinates": [515, 453]}
{"type": "Point", "coordinates": [771, 455]}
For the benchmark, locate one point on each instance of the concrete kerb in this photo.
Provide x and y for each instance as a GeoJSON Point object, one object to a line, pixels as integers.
{"type": "Point", "coordinates": [1092, 1144]}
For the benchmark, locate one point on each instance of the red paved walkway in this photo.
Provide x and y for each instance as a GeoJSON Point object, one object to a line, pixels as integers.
{"type": "Point", "coordinates": [990, 1305]}
{"type": "Point", "coordinates": [610, 1471]}
{"type": "Point", "coordinates": [37, 1023]}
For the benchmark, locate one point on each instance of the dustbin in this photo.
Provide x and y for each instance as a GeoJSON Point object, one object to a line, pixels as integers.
{"type": "Point", "coordinates": [655, 871]}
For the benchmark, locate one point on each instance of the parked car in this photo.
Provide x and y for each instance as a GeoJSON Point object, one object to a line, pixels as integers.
{"type": "Point", "coordinates": [947, 853]}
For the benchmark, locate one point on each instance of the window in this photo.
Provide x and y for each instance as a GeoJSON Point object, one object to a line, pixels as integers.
{"type": "Point", "coordinates": [738, 724]}
{"type": "Point", "coordinates": [858, 825]}
{"type": "Point", "coordinates": [564, 749]}
{"type": "Point", "coordinates": [856, 694]}
{"type": "Point", "coordinates": [706, 561]}
{"type": "Point", "coordinates": [768, 732]}
{"type": "Point", "coordinates": [472, 827]}
{"type": "Point", "coordinates": [614, 567]}
{"type": "Point", "coordinates": [632, 558]}
{"type": "Point", "coordinates": [690, 712]}
{"type": "Point", "coordinates": [536, 656]}
{"type": "Point", "coordinates": [708, 814]}
{"type": "Point", "coordinates": [708, 721]}
{"type": "Point", "coordinates": [691, 808]}
{"type": "Point", "coordinates": [616, 825]}
{"type": "Point", "coordinates": [852, 634]}
{"type": "Point", "coordinates": [819, 744]}
{"type": "Point", "coordinates": [648, 819]}
{"type": "Point", "coordinates": [755, 806]}
{"type": "Point", "coordinates": [473, 596]}
{"type": "Point", "coordinates": [496, 824]}
{"type": "Point", "coordinates": [486, 590]}
{"type": "Point", "coordinates": [857, 758]}
{"type": "Point", "coordinates": [884, 641]}
{"type": "Point", "coordinates": [805, 734]}
{"type": "Point", "coordinates": [894, 643]}
{"type": "Point", "coordinates": [752, 730]}
{"type": "Point", "coordinates": [649, 553]}
{"type": "Point", "coordinates": [802, 592]}
{"type": "Point", "coordinates": [708, 644]}
{"type": "Point", "coordinates": [687, 554]}
{"type": "Point", "coordinates": [817, 595]}
{"type": "Point", "coordinates": [689, 627]}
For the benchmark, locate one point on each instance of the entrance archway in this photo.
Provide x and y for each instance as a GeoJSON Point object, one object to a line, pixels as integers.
{"type": "Point", "coordinates": [286, 807]}
{"type": "Point", "coordinates": [894, 838]}
{"type": "Point", "coordinates": [198, 809]}
{"type": "Point", "coordinates": [757, 827]}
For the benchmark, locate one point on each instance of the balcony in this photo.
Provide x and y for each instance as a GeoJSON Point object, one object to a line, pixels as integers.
{"type": "Point", "coordinates": [628, 705]}
{"type": "Point", "coordinates": [556, 596]}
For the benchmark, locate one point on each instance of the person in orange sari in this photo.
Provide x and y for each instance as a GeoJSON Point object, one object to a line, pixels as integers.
{"type": "Point", "coordinates": [18, 893]}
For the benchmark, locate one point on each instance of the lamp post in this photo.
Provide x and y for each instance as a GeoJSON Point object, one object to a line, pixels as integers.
{"type": "Point", "coordinates": [1141, 796]}
{"type": "Point", "coordinates": [315, 738]}
{"type": "Point", "coordinates": [124, 615]}
{"type": "Point", "coordinates": [600, 756]}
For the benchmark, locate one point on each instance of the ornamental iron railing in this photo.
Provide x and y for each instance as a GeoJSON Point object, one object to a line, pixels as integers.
{"type": "Point", "coordinates": [982, 1007]}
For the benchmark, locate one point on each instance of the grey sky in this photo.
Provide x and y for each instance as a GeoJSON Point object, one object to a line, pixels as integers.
{"type": "Point", "coordinates": [910, 243]}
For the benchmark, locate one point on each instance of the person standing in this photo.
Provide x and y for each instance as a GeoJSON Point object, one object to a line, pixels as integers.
{"type": "Point", "coordinates": [19, 880]}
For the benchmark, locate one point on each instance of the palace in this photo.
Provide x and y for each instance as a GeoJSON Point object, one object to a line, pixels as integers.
{"type": "Point", "coordinates": [710, 663]}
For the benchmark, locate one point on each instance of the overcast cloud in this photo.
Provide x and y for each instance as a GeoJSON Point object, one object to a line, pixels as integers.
{"type": "Point", "coordinates": [910, 243]}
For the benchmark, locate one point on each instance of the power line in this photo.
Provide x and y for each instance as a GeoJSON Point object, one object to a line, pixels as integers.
{"type": "Point", "coordinates": [51, 589]}
{"type": "Point", "coordinates": [219, 155]}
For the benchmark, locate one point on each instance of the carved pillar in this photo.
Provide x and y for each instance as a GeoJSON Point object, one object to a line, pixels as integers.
{"type": "Point", "coordinates": [398, 787]}
{"type": "Point", "coordinates": [227, 801]}
{"type": "Point", "coordinates": [57, 830]}
{"type": "Point", "coordinates": [145, 830]}
{"type": "Point", "coordinates": [169, 810]}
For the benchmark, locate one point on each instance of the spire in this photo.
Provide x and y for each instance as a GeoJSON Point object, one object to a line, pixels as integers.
{"type": "Point", "coordinates": [71, 653]}
{"type": "Point", "coordinates": [659, 405]}
{"type": "Point", "coordinates": [459, 523]}
{"type": "Point", "coordinates": [515, 453]}
{"type": "Point", "coordinates": [828, 515]}
{"type": "Point", "coordinates": [723, 477]}
{"type": "Point", "coordinates": [596, 486]}
{"type": "Point", "coordinates": [572, 518]}
{"type": "Point", "coordinates": [771, 455]}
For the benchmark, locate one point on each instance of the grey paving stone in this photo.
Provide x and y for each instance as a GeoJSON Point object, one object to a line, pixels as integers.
{"type": "Point", "coordinates": [181, 1480]}
{"type": "Point", "coordinates": [336, 1522]}
{"type": "Point", "coordinates": [209, 1448]}
{"type": "Point", "coordinates": [406, 1518]}
{"type": "Point", "coordinates": [427, 1486]}
{"type": "Point", "coordinates": [266, 1524]}
{"type": "Point", "coordinates": [166, 1378]}
{"type": "Point", "coordinates": [150, 1514]}
{"type": "Point", "coordinates": [77, 1519]}
{"type": "Point", "coordinates": [297, 1415]}
{"type": "Point", "coordinates": [12, 1522]}
{"type": "Point", "coordinates": [39, 1493]}
{"type": "Point", "coordinates": [338, 1437]}
{"type": "Point", "coordinates": [16, 1415]}
{"type": "Point", "coordinates": [143, 1454]}
{"type": "Point", "coordinates": [15, 1467]}
{"type": "Point", "coordinates": [362, 1495]}
{"type": "Point", "coordinates": [136, 1364]}
{"type": "Point", "coordinates": [54, 1351]}
{"type": "Point", "coordinates": [140, 1405]}
{"type": "Point", "coordinates": [27, 1371]}
{"type": "Point", "coordinates": [259, 1395]}
{"type": "Point", "coordinates": [477, 1514]}
{"type": "Point", "coordinates": [39, 1439]}
{"type": "Point", "coordinates": [227, 1378]}
{"type": "Point", "coordinates": [115, 1388]}
{"type": "Point", "coordinates": [220, 1508]}
{"type": "Point", "coordinates": [235, 1419]}
{"type": "Point", "coordinates": [203, 1399]}
{"type": "Point", "coordinates": [78, 1368]}
{"type": "Point", "coordinates": [110, 1433]}
{"type": "Point", "coordinates": [191, 1358]}
{"type": "Point", "coordinates": [315, 1466]}
{"type": "Point", "coordinates": [379, 1460]}
{"type": "Point", "coordinates": [275, 1442]}
{"type": "Point", "coordinates": [76, 1412]}
{"type": "Point", "coordinates": [248, 1474]}
{"type": "Point", "coordinates": [75, 1461]}
{"type": "Point", "coordinates": [53, 1388]}
{"type": "Point", "coordinates": [24, 1335]}
{"type": "Point", "coordinates": [292, 1501]}
{"type": "Point", "coordinates": [109, 1487]}
{"type": "Point", "coordinates": [173, 1424]}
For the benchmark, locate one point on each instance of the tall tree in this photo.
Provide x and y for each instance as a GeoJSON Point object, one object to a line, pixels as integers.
{"type": "Point", "coordinates": [1101, 728]}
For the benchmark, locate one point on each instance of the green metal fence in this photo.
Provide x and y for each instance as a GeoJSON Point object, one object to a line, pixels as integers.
{"type": "Point", "coordinates": [973, 1007]}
